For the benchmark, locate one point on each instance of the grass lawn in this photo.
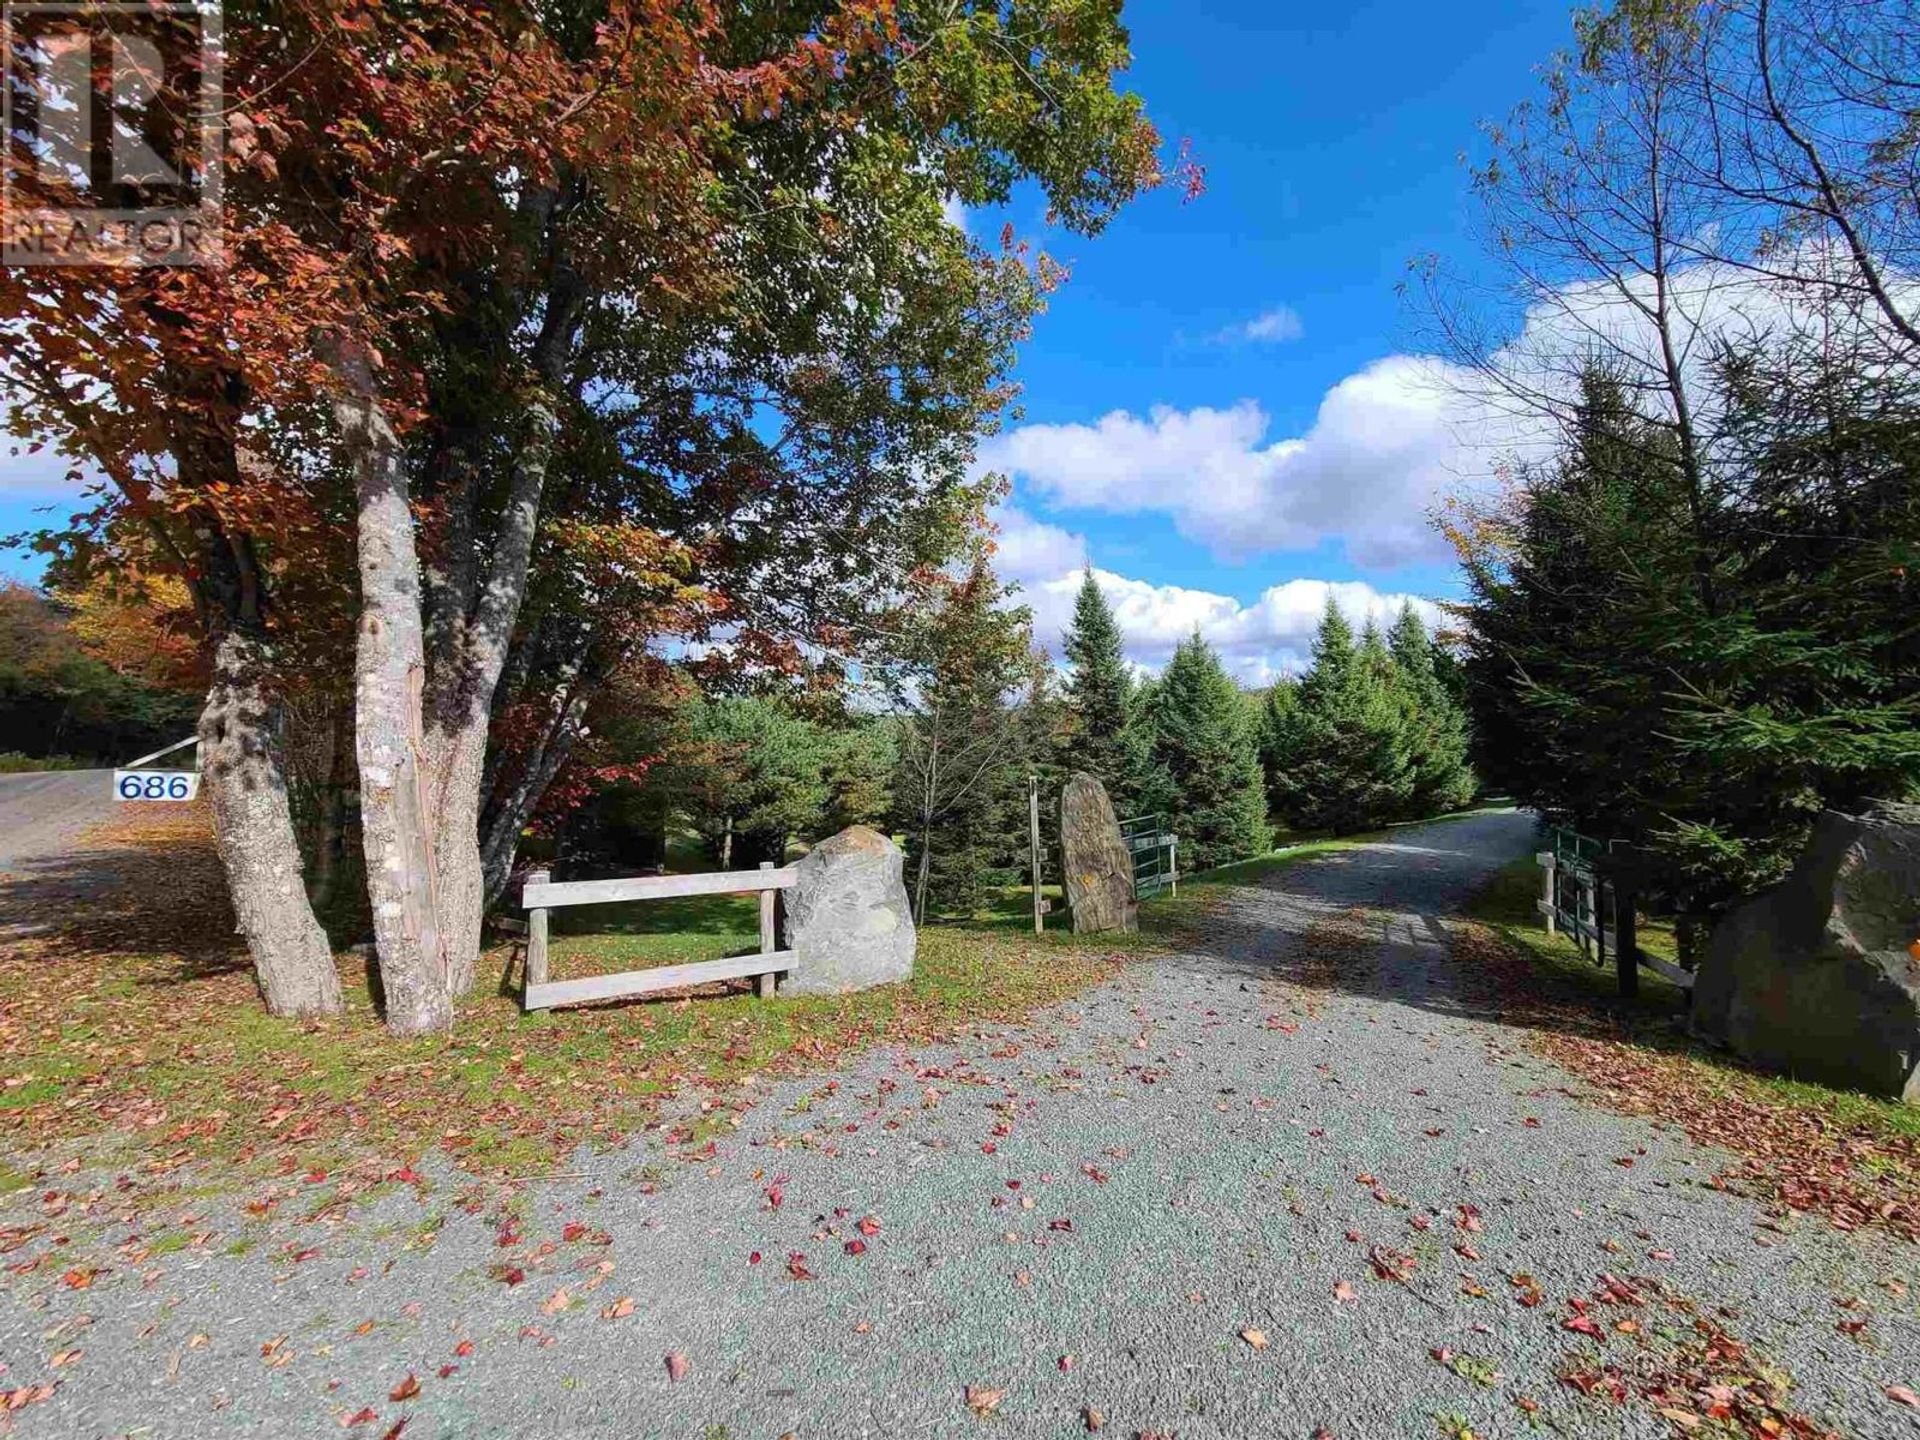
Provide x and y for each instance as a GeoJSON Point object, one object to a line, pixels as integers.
{"type": "Point", "coordinates": [133, 1035]}
{"type": "Point", "coordinates": [1854, 1158]}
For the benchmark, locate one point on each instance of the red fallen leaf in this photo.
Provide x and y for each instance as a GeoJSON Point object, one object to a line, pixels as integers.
{"type": "Point", "coordinates": [776, 1196]}
{"type": "Point", "coordinates": [1900, 1394]}
{"type": "Point", "coordinates": [987, 1147]}
{"type": "Point", "coordinates": [1420, 1222]}
{"type": "Point", "coordinates": [447, 1371]}
{"type": "Point", "coordinates": [869, 1225]}
{"type": "Point", "coordinates": [1625, 1162]}
{"type": "Point", "coordinates": [1343, 1292]}
{"type": "Point", "coordinates": [1581, 1324]}
{"type": "Point", "coordinates": [1354, 1237]}
{"type": "Point", "coordinates": [572, 1231]}
{"type": "Point", "coordinates": [618, 1310]}
{"type": "Point", "coordinates": [393, 1430]}
{"type": "Point", "coordinates": [1442, 1354]}
{"type": "Point", "coordinates": [508, 1274]}
{"type": "Point", "coordinates": [463, 1349]}
{"type": "Point", "coordinates": [1850, 1327]}
{"type": "Point", "coordinates": [1467, 1218]}
{"type": "Point", "coordinates": [1061, 1224]}
{"type": "Point", "coordinates": [1436, 1132]}
{"type": "Point", "coordinates": [1532, 1122]}
{"type": "Point", "coordinates": [753, 1258]}
{"type": "Point", "coordinates": [1659, 1254]}
{"type": "Point", "coordinates": [78, 1279]}
{"type": "Point", "coordinates": [1065, 1362]}
{"type": "Point", "coordinates": [1365, 1180]}
{"type": "Point", "coordinates": [797, 1267]}
{"type": "Point", "coordinates": [855, 1247]}
{"type": "Point", "coordinates": [1095, 1173]}
{"type": "Point", "coordinates": [361, 1416]}
{"type": "Point", "coordinates": [1466, 1251]}
{"type": "Point", "coordinates": [1013, 1184]}
{"type": "Point", "coordinates": [406, 1389]}
{"type": "Point", "coordinates": [676, 1367]}
{"type": "Point", "coordinates": [1317, 1134]}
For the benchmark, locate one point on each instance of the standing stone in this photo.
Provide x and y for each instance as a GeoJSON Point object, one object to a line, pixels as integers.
{"type": "Point", "coordinates": [1098, 865]}
{"type": "Point", "coordinates": [1820, 976]}
{"type": "Point", "coordinates": [848, 922]}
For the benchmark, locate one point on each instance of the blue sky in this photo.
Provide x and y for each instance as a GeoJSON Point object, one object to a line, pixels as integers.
{"type": "Point", "coordinates": [1194, 338]}
{"type": "Point", "coordinates": [1332, 138]}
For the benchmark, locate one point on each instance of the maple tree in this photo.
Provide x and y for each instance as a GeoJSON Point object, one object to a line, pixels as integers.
{"type": "Point", "coordinates": [467, 245]}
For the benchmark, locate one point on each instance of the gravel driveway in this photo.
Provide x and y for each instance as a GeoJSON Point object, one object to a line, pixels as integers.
{"type": "Point", "coordinates": [1158, 1204]}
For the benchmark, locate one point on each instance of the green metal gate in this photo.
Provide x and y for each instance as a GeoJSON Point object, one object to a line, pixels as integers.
{"type": "Point", "coordinates": [1156, 855]}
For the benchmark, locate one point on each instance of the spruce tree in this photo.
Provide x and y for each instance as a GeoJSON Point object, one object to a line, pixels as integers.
{"type": "Point", "coordinates": [1100, 694]}
{"type": "Point", "coordinates": [1207, 751]}
{"type": "Point", "coordinates": [1442, 779]}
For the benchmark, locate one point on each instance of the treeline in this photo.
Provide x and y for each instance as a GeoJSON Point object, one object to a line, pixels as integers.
{"type": "Point", "coordinates": [1695, 613]}
{"type": "Point", "coordinates": [70, 693]}
{"type": "Point", "coordinates": [970, 713]}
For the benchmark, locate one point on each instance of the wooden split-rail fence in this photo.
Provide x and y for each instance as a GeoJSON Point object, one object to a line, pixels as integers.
{"type": "Point", "coordinates": [542, 894]}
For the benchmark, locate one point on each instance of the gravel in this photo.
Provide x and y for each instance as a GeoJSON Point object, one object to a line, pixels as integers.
{"type": "Point", "coordinates": [1191, 1166]}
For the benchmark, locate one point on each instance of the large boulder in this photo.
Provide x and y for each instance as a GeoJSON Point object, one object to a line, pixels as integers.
{"type": "Point", "coordinates": [1820, 976]}
{"type": "Point", "coordinates": [847, 918]}
{"type": "Point", "coordinates": [1097, 863]}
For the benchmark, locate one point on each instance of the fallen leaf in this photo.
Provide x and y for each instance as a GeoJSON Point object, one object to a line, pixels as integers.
{"type": "Point", "coordinates": [676, 1367]}
{"type": "Point", "coordinates": [618, 1310]}
{"type": "Point", "coordinates": [1342, 1291]}
{"type": "Point", "coordinates": [1903, 1395]}
{"type": "Point", "coordinates": [362, 1416]}
{"type": "Point", "coordinates": [1255, 1338]}
{"type": "Point", "coordinates": [982, 1401]}
{"type": "Point", "coordinates": [406, 1389]}
{"type": "Point", "coordinates": [1092, 1418]}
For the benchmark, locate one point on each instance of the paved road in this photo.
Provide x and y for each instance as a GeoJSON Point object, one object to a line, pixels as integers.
{"type": "Point", "coordinates": [1085, 1212]}
{"type": "Point", "coordinates": [43, 812]}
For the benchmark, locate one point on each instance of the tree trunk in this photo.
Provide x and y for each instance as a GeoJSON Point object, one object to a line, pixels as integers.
{"type": "Point", "coordinates": [726, 845]}
{"type": "Point", "coordinates": [389, 680]}
{"type": "Point", "coordinates": [462, 706]}
{"type": "Point", "coordinates": [245, 781]}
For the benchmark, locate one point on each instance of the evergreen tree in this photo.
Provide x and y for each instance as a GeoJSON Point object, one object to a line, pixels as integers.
{"type": "Point", "coordinates": [1442, 779]}
{"type": "Point", "coordinates": [1102, 738]}
{"type": "Point", "coordinates": [1340, 755]}
{"type": "Point", "coordinates": [1210, 758]}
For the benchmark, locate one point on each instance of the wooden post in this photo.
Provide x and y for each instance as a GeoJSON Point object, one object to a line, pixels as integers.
{"type": "Point", "coordinates": [536, 967]}
{"type": "Point", "coordinates": [1033, 837]}
{"type": "Point", "coordinates": [1626, 943]}
{"type": "Point", "coordinates": [763, 985]}
{"type": "Point", "coordinates": [1548, 896]}
{"type": "Point", "coordinates": [1173, 865]}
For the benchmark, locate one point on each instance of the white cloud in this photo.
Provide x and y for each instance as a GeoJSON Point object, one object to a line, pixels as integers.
{"type": "Point", "coordinates": [1027, 549]}
{"type": "Point", "coordinates": [955, 213]}
{"type": "Point", "coordinates": [1388, 442]}
{"type": "Point", "coordinates": [37, 477]}
{"type": "Point", "coordinates": [1259, 642]}
{"type": "Point", "coordinates": [1281, 323]}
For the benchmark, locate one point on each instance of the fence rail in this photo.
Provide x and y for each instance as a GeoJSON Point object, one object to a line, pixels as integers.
{"type": "Point", "coordinates": [1156, 854]}
{"type": "Point", "coordinates": [542, 893]}
{"type": "Point", "coordinates": [1586, 891]}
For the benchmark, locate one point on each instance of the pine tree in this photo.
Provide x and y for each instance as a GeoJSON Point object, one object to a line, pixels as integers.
{"type": "Point", "coordinates": [1442, 779]}
{"type": "Point", "coordinates": [1206, 749]}
{"type": "Point", "coordinates": [1102, 739]}
{"type": "Point", "coordinates": [1340, 756]}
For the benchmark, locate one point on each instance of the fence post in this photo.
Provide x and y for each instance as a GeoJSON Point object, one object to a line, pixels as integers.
{"type": "Point", "coordinates": [1173, 866]}
{"type": "Point", "coordinates": [536, 967]}
{"type": "Point", "coordinates": [763, 985]}
{"type": "Point", "coordinates": [1549, 896]}
{"type": "Point", "coordinates": [1626, 942]}
{"type": "Point", "coordinates": [1033, 839]}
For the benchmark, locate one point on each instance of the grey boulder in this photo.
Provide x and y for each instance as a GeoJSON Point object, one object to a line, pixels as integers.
{"type": "Point", "coordinates": [1097, 864]}
{"type": "Point", "coordinates": [1820, 976]}
{"type": "Point", "coordinates": [847, 919]}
